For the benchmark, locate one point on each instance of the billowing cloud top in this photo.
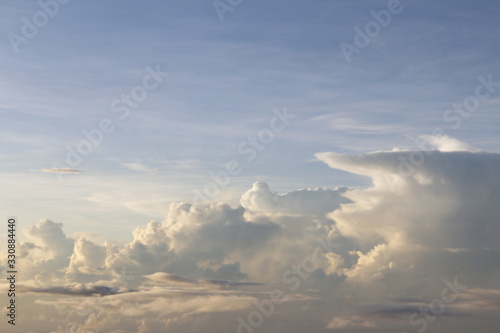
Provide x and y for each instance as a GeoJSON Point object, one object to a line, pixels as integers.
{"type": "Point", "coordinates": [437, 198]}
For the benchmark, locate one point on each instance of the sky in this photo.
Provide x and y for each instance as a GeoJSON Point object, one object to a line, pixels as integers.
{"type": "Point", "coordinates": [251, 166]}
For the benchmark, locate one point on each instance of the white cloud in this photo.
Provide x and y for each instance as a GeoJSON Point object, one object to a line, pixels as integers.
{"type": "Point", "coordinates": [204, 266]}
{"type": "Point", "coordinates": [87, 257]}
{"type": "Point", "coordinates": [311, 201]}
{"type": "Point", "coordinates": [446, 143]}
{"type": "Point", "coordinates": [448, 201]}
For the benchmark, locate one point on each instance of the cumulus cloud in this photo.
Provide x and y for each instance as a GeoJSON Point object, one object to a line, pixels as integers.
{"type": "Point", "coordinates": [311, 201]}
{"type": "Point", "coordinates": [427, 214]}
{"type": "Point", "coordinates": [47, 253]}
{"type": "Point", "coordinates": [50, 236]}
{"type": "Point", "coordinates": [334, 254]}
{"type": "Point", "coordinates": [87, 257]}
{"type": "Point", "coordinates": [447, 200]}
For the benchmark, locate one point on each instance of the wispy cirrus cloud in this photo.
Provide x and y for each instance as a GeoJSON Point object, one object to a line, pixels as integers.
{"type": "Point", "coordinates": [60, 170]}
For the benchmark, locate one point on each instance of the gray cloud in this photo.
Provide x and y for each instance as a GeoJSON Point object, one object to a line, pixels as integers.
{"type": "Point", "coordinates": [80, 290]}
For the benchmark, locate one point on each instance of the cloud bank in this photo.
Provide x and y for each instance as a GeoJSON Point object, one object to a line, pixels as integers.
{"type": "Point", "coordinates": [417, 250]}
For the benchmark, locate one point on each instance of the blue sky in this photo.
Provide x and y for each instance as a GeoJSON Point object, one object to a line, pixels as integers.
{"type": "Point", "coordinates": [316, 143]}
{"type": "Point", "coordinates": [225, 78]}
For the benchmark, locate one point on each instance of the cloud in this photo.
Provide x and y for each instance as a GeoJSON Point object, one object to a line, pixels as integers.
{"type": "Point", "coordinates": [406, 223]}
{"type": "Point", "coordinates": [229, 284]}
{"type": "Point", "coordinates": [51, 238]}
{"type": "Point", "coordinates": [355, 126]}
{"type": "Point", "coordinates": [87, 257]}
{"type": "Point", "coordinates": [80, 290]}
{"type": "Point", "coordinates": [213, 252]}
{"type": "Point", "coordinates": [448, 200]}
{"type": "Point", "coordinates": [170, 278]}
{"type": "Point", "coordinates": [61, 170]}
{"type": "Point", "coordinates": [446, 143]}
{"type": "Point", "coordinates": [179, 280]}
{"type": "Point", "coordinates": [470, 303]}
{"type": "Point", "coordinates": [351, 321]}
{"type": "Point", "coordinates": [311, 201]}
{"type": "Point", "coordinates": [335, 254]}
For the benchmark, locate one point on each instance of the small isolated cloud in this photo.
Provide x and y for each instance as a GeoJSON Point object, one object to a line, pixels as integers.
{"type": "Point", "coordinates": [61, 170]}
{"type": "Point", "coordinates": [350, 321]}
